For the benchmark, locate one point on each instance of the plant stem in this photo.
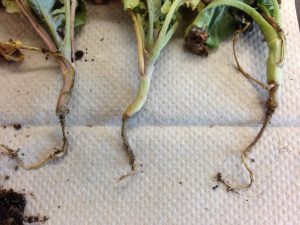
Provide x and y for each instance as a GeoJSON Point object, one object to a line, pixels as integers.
{"type": "Point", "coordinates": [140, 44]}
{"type": "Point", "coordinates": [276, 11]}
{"type": "Point", "coordinates": [150, 40]}
{"type": "Point", "coordinates": [36, 26]}
{"type": "Point", "coordinates": [52, 30]}
{"type": "Point", "coordinates": [142, 92]}
{"type": "Point", "coordinates": [160, 43]}
{"type": "Point", "coordinates": [66, 68]}
{"type": "Point", "coordinates": [74, 4]}
{"type": "Point", "coordinates": [66, 45]}
{"type": "Point", "coordinates": [147, 65]}
{"type": "Point", "coordinates": [276, 50]}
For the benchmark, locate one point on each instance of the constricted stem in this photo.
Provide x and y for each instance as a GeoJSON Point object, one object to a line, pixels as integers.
{"type": "Point", "coordinates": [126, 143]}
{"type": "Point", "coordinates": [135, 106]}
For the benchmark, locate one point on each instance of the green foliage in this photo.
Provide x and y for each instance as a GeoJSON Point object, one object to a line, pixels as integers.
{"type": "Point", "coordinates": [221, 22]}
{"type": "Point", "coordinates": [10, 6]}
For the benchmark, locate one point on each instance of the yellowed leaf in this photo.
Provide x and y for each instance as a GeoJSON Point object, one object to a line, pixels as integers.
{"type": "Point", "coordinates": [10, 51]}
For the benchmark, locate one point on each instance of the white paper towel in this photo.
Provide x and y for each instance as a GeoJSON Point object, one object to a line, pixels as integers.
{"type": "Point", "coordinates": [201, 112]}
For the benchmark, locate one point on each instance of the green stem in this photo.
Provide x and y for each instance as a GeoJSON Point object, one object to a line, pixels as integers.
{"type": "Point", "coordinates": [52, 30]}
{"type": "Point", "coordinates": [170, 33]}
{"type": "Point", "coordinates": [263, 8]}
{"type": "Point", "coordinates": [160, 43]}
{"type": "Point", "coordinates": [276, 11]}
{"type": "Point", "coordinates": [272, 36]}
{"type": "Point", "coordinates": [142, 93]}
{"type": "Point", "coordinates": [145, 79]}
{"type": "Point", "coordinates": [150, 41]}
{"type": "Point", "coordinates": [139, 19]}
{"type": "Point", "coordinates": [66, 45]}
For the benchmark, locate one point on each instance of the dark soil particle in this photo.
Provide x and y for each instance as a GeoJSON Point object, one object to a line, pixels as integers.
{"type": "Point", "coordinates": [17, 126]}
{"type": "Point", "coordinates": [78, 55]}
{"type": "Point", "coordinates": [6, 178]}
{"type": "Point", "coordinates": [12, 206]}
{"type": "Point", "coordinates": [215, 187]}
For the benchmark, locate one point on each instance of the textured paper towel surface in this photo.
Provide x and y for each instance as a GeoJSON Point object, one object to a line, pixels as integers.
{"type": "Point", "coordinates": [200, 113]}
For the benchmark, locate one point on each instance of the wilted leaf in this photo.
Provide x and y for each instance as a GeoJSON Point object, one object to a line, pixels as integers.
{"type": "Point", "coordinates": [10, 51]}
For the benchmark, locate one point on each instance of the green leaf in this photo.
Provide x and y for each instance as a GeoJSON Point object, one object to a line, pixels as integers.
{"type": "Point", "coordinates": [219, 23]}
{"type": "Point", "coordinates": [166, 7]}
{"type": "Point", "coordinates": [193, 4]}
{"type": "Point", "coordinates": [10, 6]}
{"type": "Point", "coordinates": [214, 25]}
{"type": "Point", "coordinates": [81, 14]}
{"type": "Point", "coordinates": [266, 6]}
{"type": "Point", "coordinates": [130, 4]}
{"type": "Point", "coordinates": [52, 18]}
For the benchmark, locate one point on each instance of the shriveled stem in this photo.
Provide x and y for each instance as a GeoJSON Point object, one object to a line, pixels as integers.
{"type": "Point", "coordinates": [244, 153]}
{"type": "Point", "coordinates": [239, 67]}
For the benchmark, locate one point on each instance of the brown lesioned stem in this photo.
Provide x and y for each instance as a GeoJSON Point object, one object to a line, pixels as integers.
{"type": "Point", "coordinates": [127, 148]}
{"type": "Point", "coordinates": [59, 152]}
{"type": "Point", "coordinates": [131, 110]}
{"type": "Point", "coordinates": [270, 109]}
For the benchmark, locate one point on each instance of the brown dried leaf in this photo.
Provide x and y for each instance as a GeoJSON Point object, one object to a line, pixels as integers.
{"type": "Point", "coordinates": [10, 51]}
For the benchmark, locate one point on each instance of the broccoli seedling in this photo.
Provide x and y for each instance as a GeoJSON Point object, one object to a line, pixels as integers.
{"type": "Point", "coordinates": [265, 13]}
{"type": "Point", "coordinates": [55, 21]}
{"type": "Point", "coordinates": [155, 22]}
